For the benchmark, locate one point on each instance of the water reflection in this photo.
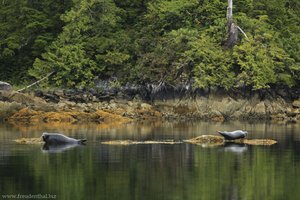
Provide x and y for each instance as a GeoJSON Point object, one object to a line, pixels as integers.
{"type": "Point", "coordinates": [235, 148]}
{"type": "Point", "coordinates": [59, 148]}
{"type": "Point", "coordinates": [181, 171]}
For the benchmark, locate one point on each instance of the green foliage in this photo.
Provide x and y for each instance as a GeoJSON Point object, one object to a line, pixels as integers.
{"type": "Point", "coordinates": [171, 41]}
{"type": "Point", "coordinates": [73, 56]}
{"type": "Point", "coordinates": [213, 66]}
{"type": "Point", "coordinates": [26, 29]}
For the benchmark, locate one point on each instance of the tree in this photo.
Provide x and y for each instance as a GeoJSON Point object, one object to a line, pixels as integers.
{"type": "Point", "coordinates": [85, 47]}
{"type": "Point", "coordinates": [26, 28]}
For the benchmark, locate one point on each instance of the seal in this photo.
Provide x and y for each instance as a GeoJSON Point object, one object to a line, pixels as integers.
{"type": "Point", "coordinates": [238, 134]}
{"type": "Point", "coordinates": [56, 138]}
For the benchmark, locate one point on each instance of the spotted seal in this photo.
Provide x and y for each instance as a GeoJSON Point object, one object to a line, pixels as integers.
{"type": "Point", "coordinates": [56, 138]}
{"type": "Point", "coordinates": [238, 134]}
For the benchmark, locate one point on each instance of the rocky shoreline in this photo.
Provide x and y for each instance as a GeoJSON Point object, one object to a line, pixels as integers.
{"type": "Point", "coordinates": [123, 105]}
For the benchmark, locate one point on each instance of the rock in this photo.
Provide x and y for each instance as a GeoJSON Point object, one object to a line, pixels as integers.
{"type": "Point", "coordinates": [59, 93]}
{"type": "Point", "coordinates": [130, 103]}
{"type": "Point", "coordinates": [218, 140]}
{"type": "Point", "coordinates": [95, 99]}
{"type": "Point", "coordinates": [227, 107]}
{"type": "Point", "coordinates": [296, 103]}
{"type": "Point", "coordinates": [9, 108]}
{"type": "Point", "coordinates": [131, 142]}
{"type": "Point", "coordinates": [5, 86]}
{"type": "Point", "coordinates": [265, 142]}
{"type": "Point", "coordinates": [260, 108]}
{"type": "Point", "coordinates": [28, 116]}
{"type": "Point", "coordinates": [113, 105]}
{"type": "Point", "coordinates": [278, 117]}
{"type": "Point", "coordinates": [61, 105]}
{"type": "Point", "coordinates": [29, 141]}
{"type": "Point", "coordinates": [146, 106]}
{"type": "Point", "coordinates": [206, 139]}
{"type": "Point", "coordinates": [292, 112]}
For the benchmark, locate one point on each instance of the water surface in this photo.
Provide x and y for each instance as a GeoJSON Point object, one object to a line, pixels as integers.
{"type": "Point", "coordinates": [153, 171]}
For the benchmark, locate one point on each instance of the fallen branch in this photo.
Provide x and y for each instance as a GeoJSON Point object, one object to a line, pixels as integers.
{"type": "Point", "coordinates": [243, 32]}
{"type": "Point", "coordinates": [35, 82]}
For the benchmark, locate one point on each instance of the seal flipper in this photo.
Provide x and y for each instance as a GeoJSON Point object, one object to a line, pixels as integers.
{"type": "Point", "coordinates": [82, 141]}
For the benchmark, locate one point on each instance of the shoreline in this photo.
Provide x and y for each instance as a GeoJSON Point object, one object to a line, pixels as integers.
{"type": "Point", "coordinates": [83, 107]}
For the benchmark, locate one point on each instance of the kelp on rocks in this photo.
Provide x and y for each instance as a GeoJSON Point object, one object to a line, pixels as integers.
{"type": "Point", "coordinates": [218, 140]}
{"type": "Point", "coordinates": [131, 142]}
{"type": "Point", "coordinates": [29, 140]}
{"type": "Point", "coordinates": [204, 140]}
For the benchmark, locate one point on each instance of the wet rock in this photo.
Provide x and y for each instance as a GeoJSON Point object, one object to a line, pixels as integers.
{"type": "Point", "coordinates": [26, 115]}
{"type": "Point", "coordinates": [95, 99]}
{"type": "Point", "coordinates": [206, 139]}
{"type": "Point", "coordinates": [260, 110]}
{"type": "Point", "coordinates": [292, 112]}
{"type": "Point", "coordinates": [29, 141]}
{"type": "Point", "coordinates": [227, 107]}
{"type": "Point", "coordinates": [59, 93]}
{"type": "Point", "coordinates": [113, 105]}
{"type": "Point", "coordinates": [146, 106]}
{"type": "Point", "coordinates": [264, 142]}
{"type": "Point", "coordinates": [132, 142]}
{"type": "Point", "coordinates": [218, 140]}
{"type": "Point", "coordinates": [9, 108]}
{"type": "Point", "coordinates": [5, 86]}
{"type": "Point", "coordinates": [296, 103]}
{"type": "Point", "coordinates": [50, 97]}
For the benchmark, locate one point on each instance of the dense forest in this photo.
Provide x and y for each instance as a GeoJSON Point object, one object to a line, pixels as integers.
{"type": "Point", "coordinates": [150, 41]}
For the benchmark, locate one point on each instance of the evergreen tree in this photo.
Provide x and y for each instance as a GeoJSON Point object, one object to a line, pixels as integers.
{"type": "Point", "coordinates": [86, 47]}
{"type": "Point", "coordinates": [26, 29]}
{"type": "Point", "coordinates": [150, 41]}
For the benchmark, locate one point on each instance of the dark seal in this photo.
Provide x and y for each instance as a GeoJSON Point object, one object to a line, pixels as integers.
{"type": "Point", "coordinates": [56, 139]}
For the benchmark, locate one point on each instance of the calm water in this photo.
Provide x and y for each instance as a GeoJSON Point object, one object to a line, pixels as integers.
{"type": "Point", "coordinates": [181, 171]}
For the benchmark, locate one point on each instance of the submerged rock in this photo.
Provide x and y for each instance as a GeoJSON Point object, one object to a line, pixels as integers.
{"type": "Point", "coordinates": [131, 142]}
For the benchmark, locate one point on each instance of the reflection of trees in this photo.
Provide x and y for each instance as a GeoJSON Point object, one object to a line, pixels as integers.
{"type": "Point", "coordinates": [181, 171]}
{"type": "Point", "coordinates": [155, 172]}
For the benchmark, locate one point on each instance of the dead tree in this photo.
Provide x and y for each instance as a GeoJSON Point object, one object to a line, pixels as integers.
{"type": "Point", "coordinates": [232, 28]}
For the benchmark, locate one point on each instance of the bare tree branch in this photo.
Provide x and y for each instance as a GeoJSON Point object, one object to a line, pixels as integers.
{"type": "Point", "coordinates": [240, 29]}
{"type": "Point", "coordinates": [36, 82]}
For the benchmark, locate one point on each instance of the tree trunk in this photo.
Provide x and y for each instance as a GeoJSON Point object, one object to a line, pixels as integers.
{"type": "Point", "coordinates": [232, 28]}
